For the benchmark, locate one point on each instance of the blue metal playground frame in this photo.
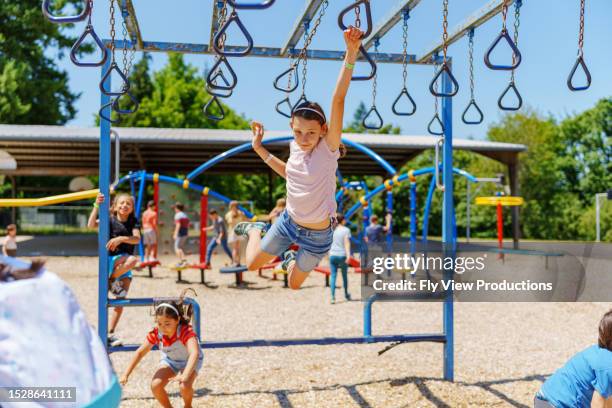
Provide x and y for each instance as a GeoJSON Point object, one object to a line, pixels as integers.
{"type": "Point", "coordinates": [447, 336]}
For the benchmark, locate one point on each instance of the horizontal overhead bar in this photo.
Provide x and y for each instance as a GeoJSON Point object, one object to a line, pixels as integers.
{"type": "Point", "coordinates": [297, 31]}
{"type": "Point", "coordinates": [490, 10]}
{"type": "Point", "coordinates": [381, 28]}
{"type": "Point", "coordinates": [263, 52]}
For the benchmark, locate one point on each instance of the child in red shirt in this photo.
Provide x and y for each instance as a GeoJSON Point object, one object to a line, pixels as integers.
{"type": "Point", "coordinates": [181, 357]}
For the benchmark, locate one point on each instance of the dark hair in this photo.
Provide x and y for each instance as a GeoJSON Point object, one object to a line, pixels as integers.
{"type": "Point", "coordinates": [212, 212]}
{"type": "Point", "coordinates": [605, 331]}
{"type": "Point", "coordinates": [185, 309]}
{"type": "Point", "coordinates": [340, 218]}
{"type": "Point", "coordinates": [151, 204]}
{"type": "Point", "coordinates": [179, 206]}
{"type": "Point", "coordinates": [314, 111]}
{"type": "Point", "coordinates": [11, 227]}
{"type": "Point", "coordinates": [8, 273]}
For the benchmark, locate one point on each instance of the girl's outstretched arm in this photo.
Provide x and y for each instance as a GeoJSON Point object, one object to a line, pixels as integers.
{"type": "Point", "coordinates": [93, 217]}
{"type": "Point", "coordinates": [274, 162]}
{"type": "Point", "coordinates": [352, 38]}
{"type": "Point", "coordinates": [138, 355]}
{"type": "Point", "coordinates": [194, 353]}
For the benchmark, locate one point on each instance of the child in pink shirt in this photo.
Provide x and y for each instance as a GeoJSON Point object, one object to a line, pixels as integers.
{"type": "Point", "coordinates": [311, 182]}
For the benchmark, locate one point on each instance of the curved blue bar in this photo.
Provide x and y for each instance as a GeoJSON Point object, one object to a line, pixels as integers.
{"type": "Point", "coordinates": [413, 219]}
{"type": "Point", "coordinates": [138, 210]}
{"type": "Point", "coordinates": [247, 146]}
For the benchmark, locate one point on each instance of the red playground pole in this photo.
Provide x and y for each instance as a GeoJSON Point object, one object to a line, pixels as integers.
{"type": "Point", "coordinates": [156, 201]}
{"type": "Point", "coordinates": [500, 230]}
{"type": "Point", "coordinates": [203, 223]}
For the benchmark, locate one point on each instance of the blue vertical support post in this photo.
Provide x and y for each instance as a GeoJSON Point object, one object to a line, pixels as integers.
{"type": "Point", "coordinates": [447, 225]}
{"type": "Point", "coordinates": [138, 210]}
{"type": "Point", "coordinates": [413, 219]}
{"type": "Point", "coordinates": [104, 161]}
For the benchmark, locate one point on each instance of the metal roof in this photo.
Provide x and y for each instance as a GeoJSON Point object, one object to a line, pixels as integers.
{"type": "Point", "coordinates": [61, 150]}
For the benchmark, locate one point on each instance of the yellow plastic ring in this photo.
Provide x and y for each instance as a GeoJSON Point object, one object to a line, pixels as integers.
{"type": "Point", "coordinates": [363, 201]}
{"type": "Point", "coordinates": [205, 191]}
{"type": "Point", "coordinates": [156, 177]}
{"type": "Point", "coordinates": [388, 185]}
{"type": "Point", "coordinates": [254, 218]}
{"type": "Point", "coordinates": [411, 176]}
{"type": "Point", "coordinates": [185, 184]}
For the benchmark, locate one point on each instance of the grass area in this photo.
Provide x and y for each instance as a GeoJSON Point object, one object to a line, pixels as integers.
{"type": "Point", "coordinates": [55, 230]}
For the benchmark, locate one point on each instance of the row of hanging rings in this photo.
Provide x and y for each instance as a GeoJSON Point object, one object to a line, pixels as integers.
{"type": "Point", "coordinates": [222, 71]}
{"type": "Point", "coordinates": [404, 92]}
{"type": "Point", "coordinates": [580, 59]}
{"type": "Point", "coordinates": [285, 107]}
{"type": "Point", "coordinates": [89, 31]}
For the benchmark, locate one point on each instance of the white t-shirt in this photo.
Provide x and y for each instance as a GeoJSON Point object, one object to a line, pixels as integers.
{"type": "Point", "coordinates": [340, 233]}
{"type": "Point", "coordinates": [46, 340]}
{"type": "Point", "coordinates": [10, 242]}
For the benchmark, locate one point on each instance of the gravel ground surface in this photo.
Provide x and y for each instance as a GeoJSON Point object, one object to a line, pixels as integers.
{"type": "Point", "coordinates": [503, 351]}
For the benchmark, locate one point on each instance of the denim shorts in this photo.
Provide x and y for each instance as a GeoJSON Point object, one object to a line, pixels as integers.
{"type": "Point", "coordinates": [177, 366]}
{"type": "Point", "coordinates": [313, 244]}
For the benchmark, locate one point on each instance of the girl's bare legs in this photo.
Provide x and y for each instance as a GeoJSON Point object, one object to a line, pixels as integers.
{"type": "Point", "coordinates": [255, 257]}
{"type": "Point", "coordinates": [124, 264]}
{"type": "Point", "coordinates": [186, 389]}
{"type": "Point", "coordinates": [158, 385]}
{"type": "Point", "coordinates": [115, 314]}
{"type": "Point", "coordinates": [296, 276]}
{"type": "Point", "coordinates": [236, 251]}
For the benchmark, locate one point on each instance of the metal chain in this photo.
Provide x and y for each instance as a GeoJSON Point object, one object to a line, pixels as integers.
{"type": "Point", "coordinates": [581, 36]}
{"type": "Point", "coordinates": [304, 60]}
{"type": "Point", "coordinates": [124, 50]}
{"type": "Point", "coordinates": [504, 15]}
{"type": "Point", "coordinates": [517, 23]}
{"type": "Point", "coordinates": [313, 31]}
{"type": "Point", "coordinates": [445, 28]}
{"type": "Point", "coordinates": [374, 81]}
{"type": "Point", "coordinates": [220, 22]}
{"type": "Point", "coordinates": [471, 59]}
{"type": "Point", "coordinates": [435, 71]}
{"type": "Point", "coordinates": [90, 12]}
{"type": "Point", "coordinates": [112, 29]}
{"type": "Point", "coordinates": [405, 48]}
{"type": "Point", "coordinates": [357, 19]}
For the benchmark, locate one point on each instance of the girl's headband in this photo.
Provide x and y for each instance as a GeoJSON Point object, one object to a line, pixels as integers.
{"type": "Point", "coordinates": [168, 305]}
{"type": "Point", "coordinates": [311, 110]}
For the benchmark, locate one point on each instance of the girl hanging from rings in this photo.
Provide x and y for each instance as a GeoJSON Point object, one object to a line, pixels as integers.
{"type": "Point", "coordinates": [310, 175]}
{"type": "Point", "coordinates": [181, 357]}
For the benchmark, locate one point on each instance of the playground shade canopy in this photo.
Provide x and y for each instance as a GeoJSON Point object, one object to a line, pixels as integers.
{"type": "Point", "coordinates": [60, 150]}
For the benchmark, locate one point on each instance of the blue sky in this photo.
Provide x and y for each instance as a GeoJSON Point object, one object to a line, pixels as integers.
{"type": "Point", "coordinates": [548, 43]}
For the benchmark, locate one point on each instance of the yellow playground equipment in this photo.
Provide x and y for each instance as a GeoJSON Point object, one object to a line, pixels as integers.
{"type": "Point", "coordinates": [57, 199]}
{"type": "Point", "coordinates": [499, 202]}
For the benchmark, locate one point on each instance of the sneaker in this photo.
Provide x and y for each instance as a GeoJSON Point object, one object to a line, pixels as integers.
{"type": "Point", "coordinates": [347, 297]}
{"type": "Point", "coordinates": [288, 257]}
{"type": "Point", "coordinates": [113, 341]}
{"type": "Point", "coordinates": [182, 262]}
{"type": "Point", "coordinates": [332, 301]}
{"type": "Point", "coordinates": [242, 228]}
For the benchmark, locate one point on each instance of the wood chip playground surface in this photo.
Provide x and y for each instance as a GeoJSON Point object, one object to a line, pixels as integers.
{"type": "Point", "coordinates": [503, 351]}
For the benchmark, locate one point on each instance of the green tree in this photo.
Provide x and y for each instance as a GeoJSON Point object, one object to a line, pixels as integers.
{"type": "Point", "coordinates": [356, 125]}
{"type": "Point", "coordinates": [33, 90]}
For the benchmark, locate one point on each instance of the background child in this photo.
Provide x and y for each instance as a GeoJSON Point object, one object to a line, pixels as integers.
{"type": "Point", "coordinates": [10, 242]}
{"type": "Point", "coordinates": [232, 218]}
{"type": "Point", "coordinates": [149, 234]}
{"type": "Point", "coordinates": [310, 172]}
{"type": "Point", "coordinates": [374, 232]}
{"type": "Point", "coordinates": [586, 379]}
{"type": "Point", "coordinates": [181, 357]}
{"type": "Point", "coordinates": [281, 204]}
{"type": "Point", "coordinates": [221, 236]}
{"type": "Point", "coordinates": [339, 255]}
{"type": "Point", "coordinates": [181, 232]}
{"type": "Point", "coordinates": [124, 235]}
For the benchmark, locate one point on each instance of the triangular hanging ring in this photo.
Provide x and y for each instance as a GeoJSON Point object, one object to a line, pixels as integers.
{"type": "Point", "coordinates": [251, 6]}
{"type": "Point", "coordinates": [436, 121]}
{"type": "Point", "coordinates": [133, 100]}
{"type": "Point", "coordinates": [370, 61]}
{"type": "Point", "coordinates": [46, 9]}
{"type": "Point", "coordinates": [208, 107]}
{"type": "Point", "coordinates": [516, 57]}
{"type": "Point", "coordinates": [395, 109]}
{"type": "Point", "coordinates": [368, 13]}
{"type": "Point", "coordinates": [294, 75]}
{"type": "Point", "coordinates": [109, 117]}
{"type": "Point", "coordinates": [376, 125]}
{"type": "Point", "coordinates": [500, 101]}
{"type": "Point", "coordinates": [212, 74]}
{"type": "Point", "coordinates": [300, 101]}
{"type": "Point", "coordinates": [444, 68]}
{"type": "Point", "coordinates": [89, 30]}
{"type": "Point", "coordinates": [287, 103]}
{"type": "Point", "coordinates": [217, 92]}
{"type": "Point", "coordinates": [467, 121]}
{"type": "Point", "coordinates": [125, 86]}
{"type": "Point", "coordinates": [570, 79]}
{"type": "Point", "coordinates": [241, 52]}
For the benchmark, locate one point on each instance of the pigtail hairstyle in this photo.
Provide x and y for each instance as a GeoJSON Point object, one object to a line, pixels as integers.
{"type": "Point", "coordinates": [314, 111]}
{"type": "Point", "coordinates": [187, 308]}
{"type": "Point", "coordinates": [605, 331]}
